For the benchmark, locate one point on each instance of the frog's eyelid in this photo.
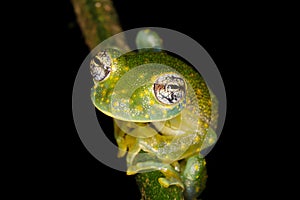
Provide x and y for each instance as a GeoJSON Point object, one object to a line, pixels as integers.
{"type": "Point", "coordinates": [100, 66]}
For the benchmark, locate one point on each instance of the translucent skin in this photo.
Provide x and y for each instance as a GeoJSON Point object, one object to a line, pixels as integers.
{"type": "Point", "coordinates": [156, 135]}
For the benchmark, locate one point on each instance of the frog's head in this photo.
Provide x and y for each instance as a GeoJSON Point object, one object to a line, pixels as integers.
{"type": "Point", "coordinates": [127, 90]}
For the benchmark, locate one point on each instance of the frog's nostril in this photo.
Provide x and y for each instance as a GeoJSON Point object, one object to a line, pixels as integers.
{"type": "Point", "coordinates": [100, 66]}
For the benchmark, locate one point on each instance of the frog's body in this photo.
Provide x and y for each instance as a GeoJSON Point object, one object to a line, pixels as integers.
{"type": "Point", "coordinates": [162, 109]}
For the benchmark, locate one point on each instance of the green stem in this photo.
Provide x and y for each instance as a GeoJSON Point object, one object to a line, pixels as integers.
{"type": "Point", "coordinates": [151, 189]}
{"type": "Point", "coordinates": [98, 21]}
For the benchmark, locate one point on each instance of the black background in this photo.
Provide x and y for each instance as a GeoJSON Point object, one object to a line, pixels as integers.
{"type": "Point", "coordinates": [60, 164]}
{"type": "Point", "coordinates": [80, 173]}
{"type": "Point", "coordinates": [251, 44]}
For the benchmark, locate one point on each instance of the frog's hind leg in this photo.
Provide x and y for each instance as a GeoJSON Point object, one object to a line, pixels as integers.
{"type": "Point", "coordinates": [172, 177]}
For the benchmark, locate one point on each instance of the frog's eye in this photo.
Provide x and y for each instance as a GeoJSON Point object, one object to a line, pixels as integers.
{"type": "Point", "coordinates": [169, 89]}
{"type": "Point", "coordinates": [100, 66]}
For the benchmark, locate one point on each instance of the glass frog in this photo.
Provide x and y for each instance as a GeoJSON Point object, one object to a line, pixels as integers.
{"type": "Point", "coordinates": [164, 113]}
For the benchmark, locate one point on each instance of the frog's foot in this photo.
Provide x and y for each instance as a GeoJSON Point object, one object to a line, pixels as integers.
{"type": "Point", "coordinates": [172, 177]}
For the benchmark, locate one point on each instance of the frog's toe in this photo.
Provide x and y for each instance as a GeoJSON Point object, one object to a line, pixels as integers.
{"type": "Point", "coordinates": [166, 182]}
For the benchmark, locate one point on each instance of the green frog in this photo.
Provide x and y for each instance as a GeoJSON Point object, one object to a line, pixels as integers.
{"type": "Point", "coordinates": [164, 113]}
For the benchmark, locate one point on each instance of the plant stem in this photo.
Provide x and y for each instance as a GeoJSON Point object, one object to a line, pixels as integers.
{"type": "Point", "coordinates": [151, 189]}
{"type": "Point", "coordinates": [98, 21]}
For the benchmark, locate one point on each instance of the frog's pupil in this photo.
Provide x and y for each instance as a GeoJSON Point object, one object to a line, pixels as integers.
{"type": "Point", "coordinates": [97, 62]}
{"type": "Point", "coordinates": [173, 87]}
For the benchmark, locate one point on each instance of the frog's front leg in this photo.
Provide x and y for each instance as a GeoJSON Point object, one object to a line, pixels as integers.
{"type": "Point", "coordinates": [125, 142]}
{"type": "Point", "coordinates": [141, 159]}
{"type": "Point", "coordinates": [128, 136]}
